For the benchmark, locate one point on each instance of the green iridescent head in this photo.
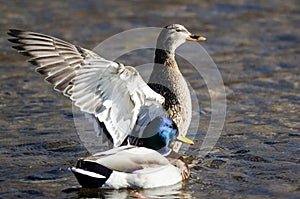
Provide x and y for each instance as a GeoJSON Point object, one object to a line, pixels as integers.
{"type": "Point", "coordinates": [159, 134]}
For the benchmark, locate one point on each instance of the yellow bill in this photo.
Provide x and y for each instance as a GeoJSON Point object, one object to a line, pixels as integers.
{"type": "Point", "coordinates": [184, 139]}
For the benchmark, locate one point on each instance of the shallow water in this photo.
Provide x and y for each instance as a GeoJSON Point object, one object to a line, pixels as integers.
{"type": "Point", "coordinates": [256, 48]}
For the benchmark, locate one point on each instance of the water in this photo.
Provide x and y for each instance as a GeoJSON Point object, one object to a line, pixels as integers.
{"type": "Point", "coordinates": [256, 48]}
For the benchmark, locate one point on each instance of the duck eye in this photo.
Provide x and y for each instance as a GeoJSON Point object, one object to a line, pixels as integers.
{"type": "Point", "coordinates": [178, 30]}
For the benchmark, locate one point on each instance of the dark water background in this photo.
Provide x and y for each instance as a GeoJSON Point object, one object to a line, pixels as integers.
{"type": "Point", "coordinates": [255, 45]}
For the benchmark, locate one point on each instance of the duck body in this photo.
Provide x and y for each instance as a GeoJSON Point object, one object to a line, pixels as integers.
{"type": "Point", "coordinates": [137, 166]}
{"type": "Point", "coordinates": [168, 81]}
{"type": "Point", "coordinates": [129, 166]}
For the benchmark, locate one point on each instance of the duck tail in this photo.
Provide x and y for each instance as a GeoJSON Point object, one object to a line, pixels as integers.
{"type": "Point", "coordinates": [90, 174]}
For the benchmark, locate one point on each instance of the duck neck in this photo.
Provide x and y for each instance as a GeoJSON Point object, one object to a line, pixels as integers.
{"type": "Point", "coordinates": [162, 56]}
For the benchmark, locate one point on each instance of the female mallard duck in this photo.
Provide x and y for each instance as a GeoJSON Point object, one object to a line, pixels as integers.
{"type": "Point", "coordinates": [132, 166]}
{"type": "Point", "coordinates": [115, 94]}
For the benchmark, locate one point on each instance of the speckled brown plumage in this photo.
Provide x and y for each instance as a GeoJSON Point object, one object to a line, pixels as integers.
{"type": "Point", "coordinates": [167, 80]}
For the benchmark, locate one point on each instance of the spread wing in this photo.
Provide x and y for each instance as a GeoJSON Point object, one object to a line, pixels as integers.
{"type": "Point", "coordinates": [114, 93]}
{"type": "Point", "coordinates": [55, 59]}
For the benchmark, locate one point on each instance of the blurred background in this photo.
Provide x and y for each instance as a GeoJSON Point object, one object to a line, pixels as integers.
{"type": "Point", "coordinates": [255, 45]}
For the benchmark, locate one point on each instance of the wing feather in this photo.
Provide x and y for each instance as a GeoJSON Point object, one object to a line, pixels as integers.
{"type": "Point", "coordinates": [114, 93]}
{"type": "Point", "coordinates": [54, 58]}
{"type": "Point", "coordinates": [129, 159]}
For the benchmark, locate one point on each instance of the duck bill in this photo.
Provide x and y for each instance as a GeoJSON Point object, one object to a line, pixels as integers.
{"type": "Point", "coordinates": [184, 139]}
{"type": "Point", "coordinates": [195, 38]}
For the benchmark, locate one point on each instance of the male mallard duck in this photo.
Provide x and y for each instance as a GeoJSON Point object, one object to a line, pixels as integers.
{"type": "Point", "coordinates": [132, 166]}
{"type": "Point", "coordinates": [114, 93]}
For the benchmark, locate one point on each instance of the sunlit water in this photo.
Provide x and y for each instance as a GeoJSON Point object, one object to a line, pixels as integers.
{"type": "Point", "coordinates": [256, 48]}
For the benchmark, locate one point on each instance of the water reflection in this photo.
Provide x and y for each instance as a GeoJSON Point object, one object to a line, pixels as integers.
{"type": "Point", "coordinates": [174, 191]}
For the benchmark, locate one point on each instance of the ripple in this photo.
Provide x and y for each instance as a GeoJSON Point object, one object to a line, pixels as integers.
{"type": "Point", "coordinates": [48, 175]}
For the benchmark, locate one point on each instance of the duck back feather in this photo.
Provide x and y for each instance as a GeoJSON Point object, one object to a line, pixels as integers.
{"type": "Point", "coordinates": [126, 166]}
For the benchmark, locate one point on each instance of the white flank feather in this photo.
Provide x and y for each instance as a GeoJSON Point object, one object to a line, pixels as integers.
{"type": "Point", "coordinates": [87, 173]}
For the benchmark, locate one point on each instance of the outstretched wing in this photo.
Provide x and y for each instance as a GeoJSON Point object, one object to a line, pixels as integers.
{"type": "Point", "coordinates": [55, 59]}
{"type": "Point", "coordinates": [114, 93]}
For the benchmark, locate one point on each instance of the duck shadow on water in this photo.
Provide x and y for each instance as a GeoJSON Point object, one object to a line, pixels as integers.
{"type": "Point", "coordinates": [174, 191]}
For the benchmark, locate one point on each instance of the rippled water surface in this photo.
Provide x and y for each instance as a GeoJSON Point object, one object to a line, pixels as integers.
{"type": "Point", "coordinates": [255, 45]}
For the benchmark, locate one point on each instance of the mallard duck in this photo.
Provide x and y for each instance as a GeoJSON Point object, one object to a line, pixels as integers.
{"type": "Point", "coordinates": [155, 165]}
{"type": "Point", "coordinates": [166, 78]}
{"type": "Point", "coordinates": [115, 94]}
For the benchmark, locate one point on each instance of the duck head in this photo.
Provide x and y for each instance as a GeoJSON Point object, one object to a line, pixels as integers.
{"type": "Point", "coordinates": [172, 36]}
{"type": "Point", "coordinates": [160, 133]}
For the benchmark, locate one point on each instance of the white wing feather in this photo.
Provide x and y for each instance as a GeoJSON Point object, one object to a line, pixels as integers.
{"type": "Point", "coordinates": [112, 92]}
